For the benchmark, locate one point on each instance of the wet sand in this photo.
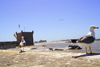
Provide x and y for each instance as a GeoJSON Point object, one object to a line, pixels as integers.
{"type": "Point", "coordinates": [41, 56]}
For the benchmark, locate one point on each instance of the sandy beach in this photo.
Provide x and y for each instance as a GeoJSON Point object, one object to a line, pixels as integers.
{"type": "Point", "coordinates": [40, 56]}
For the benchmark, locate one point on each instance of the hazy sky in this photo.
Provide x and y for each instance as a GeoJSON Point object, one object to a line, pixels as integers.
{"type": "Point", "coordinates": [43, 17]}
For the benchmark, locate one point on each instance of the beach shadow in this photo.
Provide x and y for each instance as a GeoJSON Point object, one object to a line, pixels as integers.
{"type": "Point", "coordinates": [22, 51]}
{"type": "Point", "coordinates": [33, 48]}
{"type": "Point", "coordinates": [85, 55]}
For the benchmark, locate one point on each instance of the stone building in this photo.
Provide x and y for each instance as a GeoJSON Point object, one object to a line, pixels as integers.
{"type": "Point", "coordinates": [28, 37]}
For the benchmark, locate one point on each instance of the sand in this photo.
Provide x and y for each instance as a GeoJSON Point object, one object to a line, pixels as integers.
{"type": "Point", "coordinates": [47, 58]}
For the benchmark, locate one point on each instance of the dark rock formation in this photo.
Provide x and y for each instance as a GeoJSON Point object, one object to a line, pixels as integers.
{"type": "Point", "coordinates": [58, 49]}
{"type": "Point", "coordinates": [51, 49]}
{"type": "Point", "coordinates": [74, 47]}
{"type": "Point", "coordinates": [44, 46]}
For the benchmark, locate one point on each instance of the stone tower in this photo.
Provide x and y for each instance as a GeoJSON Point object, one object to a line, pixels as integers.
{"type": "Point", "coordinates": [28, 36]}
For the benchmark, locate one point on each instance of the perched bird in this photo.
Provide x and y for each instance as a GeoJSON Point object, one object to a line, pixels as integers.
{"type": "Point", "coordinates": [22, 44]}
{"type": "Point", "coordinates": [87, 40]}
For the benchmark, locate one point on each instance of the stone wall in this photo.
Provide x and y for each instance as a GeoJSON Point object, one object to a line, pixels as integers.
{"type": "Point", "coordinates": [8, 44]}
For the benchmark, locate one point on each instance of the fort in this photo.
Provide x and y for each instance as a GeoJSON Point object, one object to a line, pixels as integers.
{"type": "Point", "coordinates": [28, 36]}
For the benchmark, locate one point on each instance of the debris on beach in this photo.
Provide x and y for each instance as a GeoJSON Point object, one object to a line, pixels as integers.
{"type": "Point", "coordinates": [56, 49]}
{"type": "Point", "coordinates": [44, 46]}
{"type": "Point", "coordinates": [33, 48]}
{"type": "Point", "coordinates": [51, 49]}
{"type": "Point", "coordinates": [59, 49]}
{"type": "Point", "coordinates": [74, 47]}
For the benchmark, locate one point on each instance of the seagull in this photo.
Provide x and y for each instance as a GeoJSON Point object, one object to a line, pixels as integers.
{"type": "Point", "coordinates": [86, 40]}
{"type": "Point", "coordinates": [22, 44]}
{"type": "Point", "coordinates": [61, 19]}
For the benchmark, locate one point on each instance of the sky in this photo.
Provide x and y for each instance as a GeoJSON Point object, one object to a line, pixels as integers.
{"type": "Point", "coordinates": [49, 19]}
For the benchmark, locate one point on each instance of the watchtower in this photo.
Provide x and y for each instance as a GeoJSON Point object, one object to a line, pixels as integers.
{"type": "Point", "coordinates": [28, 36]}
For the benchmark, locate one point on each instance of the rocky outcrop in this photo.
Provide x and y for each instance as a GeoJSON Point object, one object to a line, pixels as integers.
{"type": "Point", "coordinates": [74, 47]}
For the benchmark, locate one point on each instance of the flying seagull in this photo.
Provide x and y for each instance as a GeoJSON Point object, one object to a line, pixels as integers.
{"type": "Point", "coordinates": [61, 19]}
{"type": "Point", "coordinates": [87, 40]}
{"type": "Point", "coordinates": [19, 25]}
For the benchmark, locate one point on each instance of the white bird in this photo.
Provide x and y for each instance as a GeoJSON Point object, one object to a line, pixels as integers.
{"type": "Point", "coordinates": [22, 44]}
{"type": "Point", "coordinates": [87, 40]}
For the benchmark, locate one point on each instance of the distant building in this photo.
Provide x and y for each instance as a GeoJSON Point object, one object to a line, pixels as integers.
{"type": "Point", "coordinates": [36, 42]}
{"type": "Point", "coordinates": [42, 41]}
{"type": "Point", "coordinates": [28, 36]}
